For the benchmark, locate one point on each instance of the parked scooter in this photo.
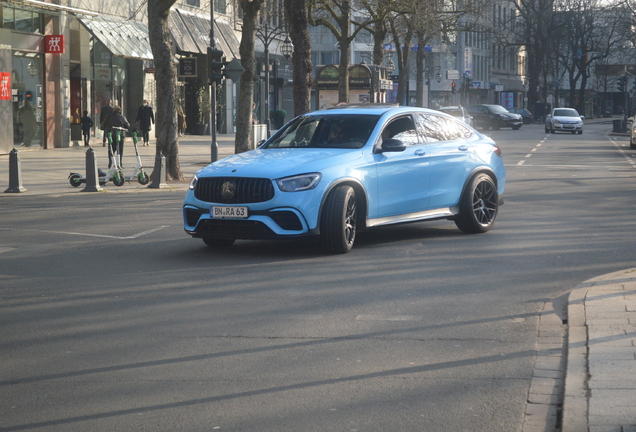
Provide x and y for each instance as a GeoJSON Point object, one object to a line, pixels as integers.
{"type": "Point", "coordinates": [138, 172]}
{"type": "Point", "coordinates": [113, 174]}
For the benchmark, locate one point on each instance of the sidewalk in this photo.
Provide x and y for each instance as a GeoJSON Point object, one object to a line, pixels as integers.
{"type": "Point", "coordinates": [45, 172]}
{"type": "Point", "coordinates": [600, 383]}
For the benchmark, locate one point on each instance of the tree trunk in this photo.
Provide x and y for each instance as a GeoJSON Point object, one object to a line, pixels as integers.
{"type": "Point", "coordinates": [296, 15]}
{"type": "Point", "coordinates": [166, 81]}
{"type": "Point", "coordinates": [246, 88]}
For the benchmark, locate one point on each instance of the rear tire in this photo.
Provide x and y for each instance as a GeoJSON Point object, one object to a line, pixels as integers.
{"type": "Point", "coordinates": [338, 221]}
{"type": "Point", "coordinates": [478, 206]}
{"type": "Point", "coordinates": [218, 243]}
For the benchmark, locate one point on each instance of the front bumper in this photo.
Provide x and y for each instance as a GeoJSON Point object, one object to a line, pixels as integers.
{"type": "Point", "coordinates": [567, 127]}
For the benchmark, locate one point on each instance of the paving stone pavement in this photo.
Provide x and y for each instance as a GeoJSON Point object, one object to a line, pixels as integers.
{"type": "Point", "coordinates": [600, 383]}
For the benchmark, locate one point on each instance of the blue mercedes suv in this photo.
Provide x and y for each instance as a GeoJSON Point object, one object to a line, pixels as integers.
{"type": "Point", "coordinates": [335, 172]}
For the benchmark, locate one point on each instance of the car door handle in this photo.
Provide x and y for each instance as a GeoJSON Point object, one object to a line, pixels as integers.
{"type": "Point", "coordinates": [462, 147]}
{"type": "Point", "coordinates": [419, 152]}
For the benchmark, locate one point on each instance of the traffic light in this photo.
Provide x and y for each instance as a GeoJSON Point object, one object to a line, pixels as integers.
{"type": "Point", "coordinates": [215, 64]}
{"type": "Point", "coordinates": [453, 87]}
{"type": "Point", "coordinates": [620, 83]}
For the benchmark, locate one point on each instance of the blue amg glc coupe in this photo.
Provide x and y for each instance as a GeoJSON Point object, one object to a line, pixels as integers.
{"type": "Point", "coordinates": [334, 172]}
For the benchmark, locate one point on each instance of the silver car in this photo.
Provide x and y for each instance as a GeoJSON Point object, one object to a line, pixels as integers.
{"type": "Point", "coordinates": [564, 120]}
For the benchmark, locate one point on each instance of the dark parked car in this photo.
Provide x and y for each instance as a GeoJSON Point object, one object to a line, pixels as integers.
{"type": "Point", "coordinates": [493, 117]}
{"type": "Point", "coordinates": [527, 116]}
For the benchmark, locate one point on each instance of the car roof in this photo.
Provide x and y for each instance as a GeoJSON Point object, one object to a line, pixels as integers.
{"type": "Point", "coordinates": [450, 107]}
{"type": "Point", "coordinates": [370, 109]}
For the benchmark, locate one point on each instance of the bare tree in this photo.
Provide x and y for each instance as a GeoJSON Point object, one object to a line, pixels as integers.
{"type": "Point", "coordinates": [166, 81]}
{"type": "Point", "coordinates": [250, 9]}
{"type": "Point", "coordinates": [296, 14]}
{"type": "Point", "coordinates": [335, 15]}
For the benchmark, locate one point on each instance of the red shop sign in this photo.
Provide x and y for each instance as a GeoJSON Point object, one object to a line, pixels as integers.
{"type": "Point", "coordinates": [5, 85]}
{"type": "Point", "coordinates": [54, 44]}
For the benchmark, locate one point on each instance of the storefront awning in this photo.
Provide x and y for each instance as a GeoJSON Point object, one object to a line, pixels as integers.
{"type": "Point", "coordinates": [191, 33]}
{"type": "Point", "coordinates": [122, 37]}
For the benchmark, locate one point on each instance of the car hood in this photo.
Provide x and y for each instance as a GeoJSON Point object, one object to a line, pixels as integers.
{"type": "Point", "coordinates": [511, 116]}
{"type": "Point", "coordinates": [277, 163]}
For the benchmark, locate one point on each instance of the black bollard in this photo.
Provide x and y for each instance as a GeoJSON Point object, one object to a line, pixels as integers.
{"type": "Point", "coordinates": [159, 173]}
{"type": "Point", "coordinates": [92, 179]}
{"type": "Point", "coordinates": [15, 173]}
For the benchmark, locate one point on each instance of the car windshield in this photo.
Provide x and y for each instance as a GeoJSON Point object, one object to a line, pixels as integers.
{"type": "Point", "coordinates": [497, 109]}
{"type": "Point", "coordinates": [349, 131]}
{"type": "Point", "coordinates": [565, 113]}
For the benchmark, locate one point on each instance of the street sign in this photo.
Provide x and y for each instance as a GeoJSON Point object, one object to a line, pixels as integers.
{"type": "Point", "coordinates": [233, 70]}
{"type": "Point", "coordinates": [452, 74]}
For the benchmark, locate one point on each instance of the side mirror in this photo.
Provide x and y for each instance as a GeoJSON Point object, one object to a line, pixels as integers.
{"type": "Point", "coordinates": [393, 145]}
{"type": "Point", "coordinates": [582, 117]}
{"type": "Point", "coordinates": [630, 120]}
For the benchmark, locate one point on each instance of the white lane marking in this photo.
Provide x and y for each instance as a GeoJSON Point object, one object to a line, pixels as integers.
{"type": "Point", "coordinates": [134, 236]}
{"type": "Point", "coordinates": [520, 163]}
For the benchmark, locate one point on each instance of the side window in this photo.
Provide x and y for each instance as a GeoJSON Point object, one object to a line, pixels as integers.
{"type": "Point", "coordinates": [436, 128]}
{"type": "Point", "coordinates": [431, 128]}
{"type": "Point", "coordinates": [402, 129]}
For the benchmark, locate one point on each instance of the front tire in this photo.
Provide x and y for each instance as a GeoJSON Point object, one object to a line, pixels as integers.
{"type": "Point", "coordinates": [143, 178]}
{"type": "Point", "coordinates": [338, 221]}
{"type": "Point", "coordinates": [632, 144]}
{"type": "Point", "coordinates": [75, 180]}
{"type": "Point", "coordinates": [516, 127]}
{"type": "Point", "coordinates": [478, 206]}
{"type": "Point", "coordinates": [119, 179]}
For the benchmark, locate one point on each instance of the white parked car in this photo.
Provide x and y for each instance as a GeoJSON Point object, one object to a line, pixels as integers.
{"type": "Point", "coordinates": [459, 112]}
{"type": "Point", "coordinates": [564, 120]}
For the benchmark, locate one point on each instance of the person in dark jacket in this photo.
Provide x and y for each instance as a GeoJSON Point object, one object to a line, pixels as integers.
{"type": "Point", "coordinates": [116, 121]}
{"type": "Point", "coordinates": [145, 118]}
{"type": "Point", "coordinates": [105, 112]}
{"type": "Point", "coordinates": [87, 124]}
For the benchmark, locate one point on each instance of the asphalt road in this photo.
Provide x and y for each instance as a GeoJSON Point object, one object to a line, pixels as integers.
{"type": "Point", "coordinates": [112, 318]}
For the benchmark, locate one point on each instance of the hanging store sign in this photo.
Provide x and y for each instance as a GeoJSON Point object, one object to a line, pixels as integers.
{"type": "Point", "coordinates": [187, 67]}
{"type": "Point", "coordinates": [5, 85]}
{"type": "Point", "coordinates": [54, 44]}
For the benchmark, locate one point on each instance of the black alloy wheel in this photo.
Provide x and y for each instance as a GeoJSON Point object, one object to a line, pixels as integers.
{"type": "Point", "coordinates": [478, 206]}
{"type": "Point", "coordinates": [338, 222]}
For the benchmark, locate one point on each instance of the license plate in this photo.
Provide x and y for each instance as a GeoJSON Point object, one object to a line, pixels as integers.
{"type": "Point", "coordinates": [225, 212]}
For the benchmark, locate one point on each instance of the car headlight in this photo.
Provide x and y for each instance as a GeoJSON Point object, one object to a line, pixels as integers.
{"type": "Point", "coordinates": [193, 182]}
{"type": "Point", "coordinates": [556, 120]}
{"type": "Point", "coordinates": [299, 183]}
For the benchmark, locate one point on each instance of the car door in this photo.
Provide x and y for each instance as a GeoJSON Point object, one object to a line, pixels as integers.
{"type": "Point", "coordinates": [449, 156]}
{"type": "Point", "coordinates": [402, 177]}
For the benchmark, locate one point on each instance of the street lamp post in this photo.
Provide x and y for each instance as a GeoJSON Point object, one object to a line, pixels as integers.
{"type": "Point", "coordinates": [267, 35]}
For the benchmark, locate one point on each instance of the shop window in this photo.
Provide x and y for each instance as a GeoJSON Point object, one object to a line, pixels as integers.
{"type": "Point", "coordinates": [8, 19]}
{"type": "Point", "coordinates": [220, 6]}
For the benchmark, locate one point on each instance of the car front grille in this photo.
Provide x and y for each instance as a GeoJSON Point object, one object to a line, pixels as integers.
{"type": "Point", "coordinates": [234, 190]}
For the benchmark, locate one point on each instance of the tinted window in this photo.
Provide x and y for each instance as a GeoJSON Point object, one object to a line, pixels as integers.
{"type": "Point", "coordinates": [325, 131]}
{"type": "Point", "coordinates": [437, 128]}
{"type": "Point", "coordinates": [402, 129]}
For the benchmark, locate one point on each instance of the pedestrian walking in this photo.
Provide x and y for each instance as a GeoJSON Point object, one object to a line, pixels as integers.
{"type": "Point", "coordinates": [29, 124]}
{"type": "Point", "coordinates": [87, 124]}
{"type": "Point", "coordinates": [181, 121]}
{"type": "Point", "coordinates": [145, 119]}
{"type": "Point", "coordinates": [116, 121]}
{"type": "Point", "coordinates": [105, 112]}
